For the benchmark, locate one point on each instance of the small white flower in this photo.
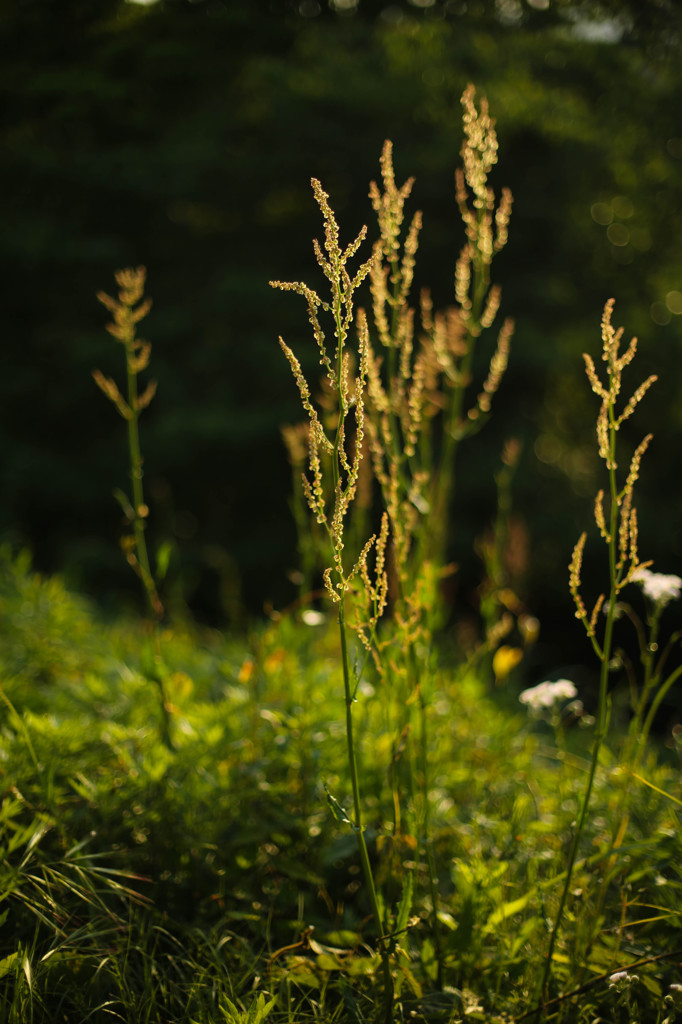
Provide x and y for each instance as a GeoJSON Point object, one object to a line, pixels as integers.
{"type": "Point", "coordinates": [658, 587]}
{"type": "Point", "coordinates": [311, 617]}
{"type": "Point", "coordinates": [547, 694]}
{"type": "Point", "coordinates": [622, 981]}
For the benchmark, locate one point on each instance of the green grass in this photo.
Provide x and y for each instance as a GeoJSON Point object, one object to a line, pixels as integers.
{"type": "Point", "coordinates": [212, 883]}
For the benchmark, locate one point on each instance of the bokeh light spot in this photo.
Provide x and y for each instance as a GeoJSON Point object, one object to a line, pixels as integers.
{"type": "Point", "coordinates": [623, 207]}
{"type": "Point", "coordinates": [673, 301]}
{"type": "Point", "coordinates": [601, 213]}
{"type": "Point", "coordinates": [618, 234]}
{"type": "Point", "coordinates": [660, 314]}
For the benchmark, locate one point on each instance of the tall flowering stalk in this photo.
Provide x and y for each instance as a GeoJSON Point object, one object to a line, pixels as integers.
{"type": "Point", "coordinates": [487, 226]}
{"type": "Point", "coordinates": [407, 407]}
{"type": "Point", "coordinates": [127, 310]}
{"type": "Point", "coordinates": [420, 375]}
{"type": "Point", "coordinates": [616, 519]}
{"type": "Point", "coordinates": [419, 386]}
{"type": "Point", "coordinates": [330, 497]}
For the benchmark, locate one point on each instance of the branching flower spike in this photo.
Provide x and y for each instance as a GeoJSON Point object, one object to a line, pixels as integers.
{"type": "Point", "coordinates": [127, 310]}
{"type": "Point", "coordinates": [331, 484]}
{"type": "Point", "coordinates": [620, 534]}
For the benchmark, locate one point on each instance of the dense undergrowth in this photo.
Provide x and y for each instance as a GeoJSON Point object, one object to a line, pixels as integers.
{"type": "Point", "coordinates": [213, 884]}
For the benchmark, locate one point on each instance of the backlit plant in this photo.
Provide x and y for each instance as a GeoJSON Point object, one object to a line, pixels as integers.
{"type": "Point", "coordinates": [615, 516]}
{"type": "Point", "coordinates": [127, 310]}
{"type": "Point", "coordinates": [329, 496]}
{"type": "Point", "coordinates": [407, 389]}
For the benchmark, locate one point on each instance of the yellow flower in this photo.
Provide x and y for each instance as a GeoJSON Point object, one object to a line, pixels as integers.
{"type": "Point", "coordinates": [504, 660]}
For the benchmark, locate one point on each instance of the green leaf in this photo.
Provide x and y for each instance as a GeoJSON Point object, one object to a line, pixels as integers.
{"type": "Point", "coordinates": [337, 810]}
{"type": "Point", "coordinates": [661, 792]}
{"type": "Point", "coordinates": [465, 925]}
{"type": "Point", "coordinates": [33, 842]}
{"type": "Point", "coordinates": [427, 955]}
{"type": "Point", "coordinates": [507, 910]}
{"type": "Point", "coordinates": [447, 919]}
{"type": "Point", "coordinates": [327, 962]}
{"type": "Point", "coordinates": [405, 905]}
{"type": "Point", "coordinates": [125, 503]}
{"type": "Point", "coordinates": [522, 935]}
{"type": "Point", "coordinates": [28, 973]}
{"type": "Point", "coordinates": [163, 557]}
{"type": "Point", "coordinates": [7, 963]}
{"type": "Point", "coordinates": [259, 1010]}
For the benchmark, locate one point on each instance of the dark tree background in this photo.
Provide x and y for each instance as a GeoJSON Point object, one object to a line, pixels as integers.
{"type": "Point", "coordinates": [183, 135]}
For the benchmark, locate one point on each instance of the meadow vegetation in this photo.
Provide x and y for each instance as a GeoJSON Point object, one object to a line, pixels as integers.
{"type": "Point", "coordinates": [341, 815]}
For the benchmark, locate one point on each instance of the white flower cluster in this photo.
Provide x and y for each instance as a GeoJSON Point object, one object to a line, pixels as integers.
{"type": "Point", "coordinates": [658, 587]}
{"type": "Point", "coordinates": [546, 695]}
{"type": "Point", "coordinates": [622, 981]}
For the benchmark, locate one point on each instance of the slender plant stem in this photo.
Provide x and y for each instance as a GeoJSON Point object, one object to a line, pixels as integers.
{"type": "Point", "coordinates": [357, 814]}
{"type": "Point", "coordinates": [125, 317]}
{"type": "Point", "coordinates": [436, 536]}
{"type": "Point", "coordinates": [348, 692]}
{"type": "Point", "coordinates": [655, 704]}
{"type": "Point", "coordinates": [601, 730]}
{"type": "Point", "coordinates": [599, 980]}
{"type": "Point", "coordinates": [426, 838]}
{"type": "Point", "coordinates": [138, 494]}
{"type": "Point", "coordinates": [602, 715]}
{"type": "Point", "coordinates": [139, 512]}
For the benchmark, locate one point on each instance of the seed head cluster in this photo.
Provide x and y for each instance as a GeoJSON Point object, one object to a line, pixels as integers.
{"type": "Point", "coordinates": [126, 315]}
{"type": "Point", "coordinates": [620, 531]}
{"type": "Point", "coordinates": [396, 396]}
{"type": "Point", "coordinates": [331, 482]}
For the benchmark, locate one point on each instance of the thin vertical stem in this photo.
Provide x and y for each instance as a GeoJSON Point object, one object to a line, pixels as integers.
{"type": "Point", "coordinates": [136, 474]}
{"type": "Point", "coordinates": [125, 317]}
{"type": "Point", "coordinates": [655, 704]}
{"type": "Point", "coordinates": [426, 838]}
{"type": "Point", "coordinates": [602, 713]}
{"type": "Point", "coordinates": [139, 510]}
{"type": "Point", "coordinates": [444, 480]}
{"type": "Point", "coordinates": [357, 814]}
{"type": "Point", "coordinates": [349, 695]}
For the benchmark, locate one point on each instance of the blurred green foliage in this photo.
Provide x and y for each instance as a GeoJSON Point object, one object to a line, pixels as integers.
{"type": "Point", "coordinates": [183, 135]}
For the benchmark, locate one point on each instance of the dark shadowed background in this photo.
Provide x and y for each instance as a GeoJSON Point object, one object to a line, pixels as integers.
{"type": "Point", "coordinates": [182, 135]}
